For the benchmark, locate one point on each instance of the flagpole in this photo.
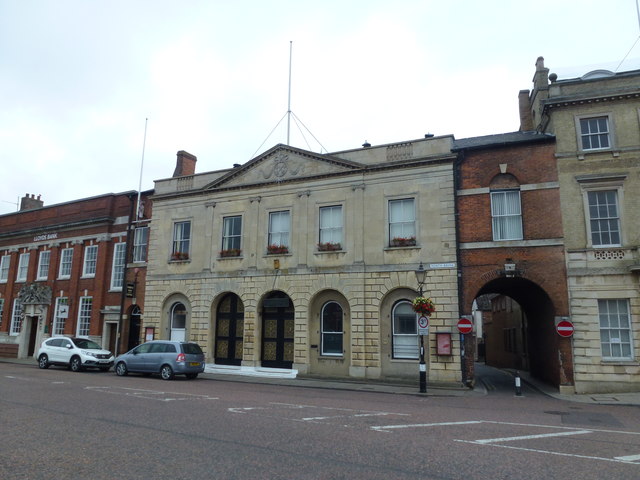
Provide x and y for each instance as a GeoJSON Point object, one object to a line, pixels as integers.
{"type": "Point", "coordinates": [144, 143]}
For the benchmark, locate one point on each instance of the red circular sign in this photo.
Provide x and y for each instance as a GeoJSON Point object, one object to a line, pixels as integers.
{"type": "Point", "coordinates": [465, 325]}
{"type": "Point", "coordinates": [564, 328]}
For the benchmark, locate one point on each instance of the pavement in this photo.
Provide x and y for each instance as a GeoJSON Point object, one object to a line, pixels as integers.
{"type": "Point", "coordinates": [486, 376]}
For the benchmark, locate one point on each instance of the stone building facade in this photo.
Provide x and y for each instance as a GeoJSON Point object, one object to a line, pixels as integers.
{"type": "Point", "coordinates": [596, 122]}
{"type": "Point", "coordinates": [306, 262]}
{"type": "Point", "coordinates": [70, 269]}
{"type": "Point", "coordinates": [507, 247]}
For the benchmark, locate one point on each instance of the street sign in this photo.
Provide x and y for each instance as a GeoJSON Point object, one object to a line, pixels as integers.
{"type": "Point", "coordinates": [465, 325]}
{"type": "Point", "coordinates": [423, 325]}
{"type": "Point", "coordinates": [565, 328]}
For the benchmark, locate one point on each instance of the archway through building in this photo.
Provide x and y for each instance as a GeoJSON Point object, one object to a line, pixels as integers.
{"type": "Point", "coordinates": [518, 328]}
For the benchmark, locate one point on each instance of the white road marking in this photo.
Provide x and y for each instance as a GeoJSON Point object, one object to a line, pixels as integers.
{"type": "Point", "coordinates": [531, 437]}
{"type": "Point", "coordinates": [549, 452]}
{"type": "Point", "coordinates": [151, 394]}
{"type": "Point", "coordinates": [421, 425]}
{"type": "Point", "coordinates": [243, 410]}
{"type": "Point", "coordinates": [379, 414]}
{"type": "Point", "coordinates": [629, 458]}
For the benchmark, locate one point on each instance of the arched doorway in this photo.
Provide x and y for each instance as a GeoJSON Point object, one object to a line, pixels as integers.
{"type": "Point", "coordinates": [518, 324]}
{"type": "Point", "coordinates": [229, 331]}
{"type": "Point", "coordinates": [277, 331]}
{"type": "Point", "coordinates": [134, 327]}
{"type": "Point", "coordinates": [178, 321]}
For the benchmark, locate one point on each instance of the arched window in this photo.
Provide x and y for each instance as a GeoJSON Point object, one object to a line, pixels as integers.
{"type": "Point", "coordinates": [405, 331]}
{"type": "Point", "coordinates": [178, 317]}
{"type": "Point", "coordinates": [331, 332]}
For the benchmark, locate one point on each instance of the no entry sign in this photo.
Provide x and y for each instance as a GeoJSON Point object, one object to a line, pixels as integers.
{"type": "Point", "coordinates": [465, 325]}
{"type": "Point", "coordinates": [564, 328]}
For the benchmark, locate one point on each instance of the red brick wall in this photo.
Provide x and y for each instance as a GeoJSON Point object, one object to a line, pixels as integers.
{"type": "Point", "coordinates": [75, 225]}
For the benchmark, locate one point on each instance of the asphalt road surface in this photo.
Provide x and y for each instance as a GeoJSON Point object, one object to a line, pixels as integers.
{"type": "Point", "coordinates": [56, 424]}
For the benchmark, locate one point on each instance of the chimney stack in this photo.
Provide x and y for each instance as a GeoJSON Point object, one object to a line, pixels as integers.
{"type": "Point", "coordinates": [30, 202]}
{"type": "Point", "coordinates": [185, 164]}
{"type": "Point", "coordinates": [526, 119]}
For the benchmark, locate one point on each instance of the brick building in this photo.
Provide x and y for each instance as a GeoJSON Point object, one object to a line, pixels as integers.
{"type": "Point", "coordinates": [510, 242]}
{"type": "Point", "coordinates": [70, 269]}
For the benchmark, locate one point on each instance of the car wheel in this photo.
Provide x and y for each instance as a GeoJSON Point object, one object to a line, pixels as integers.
{"type": "Point", "coordinates": [191, 376]}
{"type": "Point", "coordinates": [166, 372]}
{"type": "Point", "coordinates": [43, 361]}
{"type": "Point", "coordinates": [76, 364]}
{"type": "Point", "coordinates": [121, 369]}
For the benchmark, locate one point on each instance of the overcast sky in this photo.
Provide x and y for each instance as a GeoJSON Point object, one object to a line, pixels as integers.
{"type": "Point", "coordinates": [78, 78]}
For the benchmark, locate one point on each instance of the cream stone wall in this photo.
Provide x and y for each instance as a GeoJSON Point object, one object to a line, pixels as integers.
{"type": "Point", "coordinates": [366, 274]}
{"type": "Point", "coordinates": [600, 272]}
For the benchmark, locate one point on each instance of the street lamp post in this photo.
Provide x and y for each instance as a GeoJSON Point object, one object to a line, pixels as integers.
{"type": "Point", "coordinates": [421, 275]}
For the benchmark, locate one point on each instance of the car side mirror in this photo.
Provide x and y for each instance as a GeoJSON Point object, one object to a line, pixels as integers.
{"type": "Point", "coordinates": [69, 346]}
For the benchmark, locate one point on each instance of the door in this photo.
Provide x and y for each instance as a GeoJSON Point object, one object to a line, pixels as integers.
{"type": "Point", "coordinates": [33, 332]}
{"type": "Point", "coordinates": [277, 331]}
{"type": "Point", "coordinates": [137, 359]}
{"type": "Point", "coordinates": [229, 331]}
{"type": "Point", "coordinates": [134, 328]}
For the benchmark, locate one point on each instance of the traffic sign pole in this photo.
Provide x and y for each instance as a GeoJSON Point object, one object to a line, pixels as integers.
{"type": "Point", "coordinates": [423, 367]}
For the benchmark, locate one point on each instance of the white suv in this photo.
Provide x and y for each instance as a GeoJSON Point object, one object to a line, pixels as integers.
{"type": "Point", "coordinates": [75, 353]}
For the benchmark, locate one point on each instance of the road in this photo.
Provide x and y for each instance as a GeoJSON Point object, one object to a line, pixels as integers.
{"type": "Point", "coordinates": [93, 425]}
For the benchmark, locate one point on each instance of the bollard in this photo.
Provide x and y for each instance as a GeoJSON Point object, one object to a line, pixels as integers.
{"type": "Point", "coordinates": [518, 385]}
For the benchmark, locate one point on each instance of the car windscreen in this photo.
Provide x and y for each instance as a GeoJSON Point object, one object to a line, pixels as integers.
{"type": "Point", "coordinates": [86, 343]}
{"type": "Point", "coordinates": [191, 348]}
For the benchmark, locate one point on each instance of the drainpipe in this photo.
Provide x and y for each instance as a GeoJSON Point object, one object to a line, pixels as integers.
{"type": "Point", "coordinates": [456, 182]}
{"type": "Point", "coordinates": [123, 294]}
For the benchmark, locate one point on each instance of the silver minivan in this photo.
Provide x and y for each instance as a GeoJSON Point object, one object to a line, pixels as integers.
{"type": "Point", "coordinates": [166, 357]}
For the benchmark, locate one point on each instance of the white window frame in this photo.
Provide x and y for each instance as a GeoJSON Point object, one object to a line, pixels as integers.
{"type": "Point", "coordinates": [118, 264]}
{"type": "Point", "coordinates": [60, 315]}
{"type": "Point", "coordinates": [85, 305]}
{"type": "Point", "coordinates": [231, 239]}
{"type": "Point", "coordinates": [597, 133]}
{"type": "Point", "coordinates": [611, 221]}
{"type": "Point", "coordinates": [44, 261]}
{"type": "Point", "coordinates": [280, 228]}
{"type": "Point", "coordinates": [403, 347]}
{"type": "Point", "coordinates": [590, 184]}
{"type": "Point", "coordinates": [140, 241]}
{"type": "Point", "coordinates": [66, 263]}
{"type": "Point", "coordinates": [5, 263]}
{"type": "Point", "coordinates": [331, 333]}
{"type": "Point", "coordinates": [506, 215]}
{"type": "Point", "coordinates": [403, 224]}
{"type": "Point", "coordinates": [181, 242]}
{"type": "Point", "coordinates": [16, 318]}
{"type": "Point", "coordinates": [23, 267]}
{"type": "Point", "coordinates": [90, 261]}
{"type": "Point", "coordinates": [616, 334]}
{"type": "Point", "coordinates": [331, 223]}
{"type": "Point", "coordinates": [178, 333]}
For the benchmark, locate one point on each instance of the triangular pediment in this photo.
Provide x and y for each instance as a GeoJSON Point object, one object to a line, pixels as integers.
{"type": "Point", "coordinates": [283, 163]}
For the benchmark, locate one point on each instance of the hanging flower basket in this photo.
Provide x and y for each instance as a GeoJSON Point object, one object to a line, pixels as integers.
{"type": "Point", "coordinates": [423, 306]}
